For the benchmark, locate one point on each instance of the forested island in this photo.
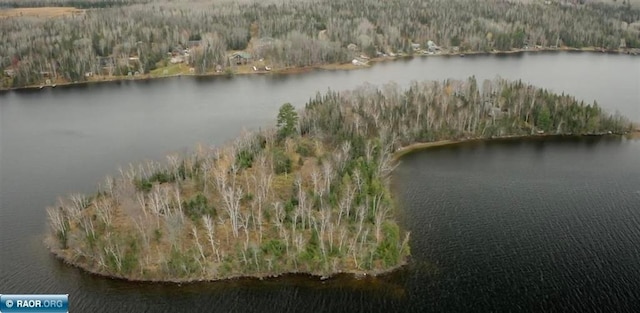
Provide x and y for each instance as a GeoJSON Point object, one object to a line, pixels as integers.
{"type": "Point", "coordinates": [310, 196]}
{"type": "Point", "coordinates": [51, 42]}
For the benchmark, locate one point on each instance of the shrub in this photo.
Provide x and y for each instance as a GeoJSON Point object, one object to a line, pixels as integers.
{"type": "Point", "coordinates": [281, 162]}
{"type": "Point", "coordinates": [157, 235]}
{"type": "Point", "coordinates": [305, 148]}
{"type": "Point", "coordinates": [197, 206]}
{"type": "Point", "coordinates": [182, 263]}
{"type": "Point", "coordinates": [274, 247]}
{"type": "Point", "coordinates": [143, 185]}
{"type": "Point", "coordinates": [389, 248]}
{"type": "Point", "coordinates": [244, 159]}
{"type": "Point", "coordinates": [162, 177]}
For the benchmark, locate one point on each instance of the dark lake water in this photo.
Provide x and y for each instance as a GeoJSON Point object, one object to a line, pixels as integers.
{"type": "Point", "coordinates": [538, 225]}
{"type": "Point", "coordinates": [507, 226]}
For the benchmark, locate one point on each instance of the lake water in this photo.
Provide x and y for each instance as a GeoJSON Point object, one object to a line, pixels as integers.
{"type": "Point", "coordinates": [539, 225]}
{"type": "Point", "coordinates": [504, 226]}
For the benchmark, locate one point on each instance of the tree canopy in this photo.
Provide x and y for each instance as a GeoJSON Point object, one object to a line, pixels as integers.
{"type": "Point", "coordinates": [118, 37]}
{"type": "Point", "coordinates": [287, 120]}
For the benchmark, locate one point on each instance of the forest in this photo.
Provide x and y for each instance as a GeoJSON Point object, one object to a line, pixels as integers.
{"type": "Point", "coordinates": [311, 195]}
{"type": "Point", "coordinates": [106, 39]}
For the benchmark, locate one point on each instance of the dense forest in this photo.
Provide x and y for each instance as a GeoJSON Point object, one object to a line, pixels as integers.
{"type": "Point", "coordinates": [311, 195]}
{"type": "Point", "coordinates": [119, 38]}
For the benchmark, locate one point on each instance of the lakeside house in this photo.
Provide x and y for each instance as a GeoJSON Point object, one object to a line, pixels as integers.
{"type": "Point", "coordinates": [432, 47]}
{"type": "Point", "coordinates": [241, 57]}
{"type": "Point", "coordinates": [359, 62]}
{"type": "Point", "coordinates": [181, 55]}
{"type": "Point", "coordinates": [177, 59]}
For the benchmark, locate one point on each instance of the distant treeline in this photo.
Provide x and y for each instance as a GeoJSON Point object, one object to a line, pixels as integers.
{"type": "Point", "coordinates": [80, 4]}
{"type": "Point", "coordinates": [139, 36]}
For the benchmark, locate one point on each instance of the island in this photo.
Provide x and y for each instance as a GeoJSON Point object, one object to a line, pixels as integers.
{"type": "Point", "coordinates": [49, 43]}
{"type": "Point", "coordinates": [311, 195]}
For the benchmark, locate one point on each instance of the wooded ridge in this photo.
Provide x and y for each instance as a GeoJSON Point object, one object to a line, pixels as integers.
{"type": "Point", "coordinates": [104, 40]}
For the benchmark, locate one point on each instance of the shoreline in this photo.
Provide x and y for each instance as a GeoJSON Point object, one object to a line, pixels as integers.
{"type": "Point", "coordinates": [419, 146]}
{"type": "Point", "coordinates": [315, 276]}
{"type": "Point", "coordinates": [397, 156]}
{"type": "Point", "coordinates": [306, 69]}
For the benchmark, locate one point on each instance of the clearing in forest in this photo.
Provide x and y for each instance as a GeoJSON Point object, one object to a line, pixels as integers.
{"type": "Point", "coordinates": [45, 12]}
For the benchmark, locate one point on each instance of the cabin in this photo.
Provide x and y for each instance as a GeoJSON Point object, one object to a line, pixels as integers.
{"type": "Point", "coordinates": [9, 73]}
{"type": "Point", "coordinates": [176, 59]}
{"type": "Point", "coordinates": [358, 62]}
{"type": "Point", "coordinates": [241, 57]}
{"type": "Point", "coordinates": [432, 47]}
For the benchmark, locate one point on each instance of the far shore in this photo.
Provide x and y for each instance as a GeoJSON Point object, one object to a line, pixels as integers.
{"type": "Point", "coordinates": [306, 69]}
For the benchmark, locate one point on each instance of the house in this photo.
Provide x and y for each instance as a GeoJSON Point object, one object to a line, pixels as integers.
{"type": "Point", "coordinates": [322, 35]}
{"type": "Point", "coordinates": [9, 73]}
{"type": "Point", "coordinates": [176, 51]}
{"type": "Point", "coordinates": [176, 59]}
{"type": "Point", "coordinates": [241, 57]}
{"type": "Point", "coordinates": [358, 62]}
{"type": "Point", "coordinates": [415, 46]}
{"type": "Point", "coordinates": [352, 47]}
{"type": "Point", "coordinates": [104, 61]}
{"type": "Point", "coordinates": [494, 111]}
{"type": "Point", "coordinates": [432, 47]}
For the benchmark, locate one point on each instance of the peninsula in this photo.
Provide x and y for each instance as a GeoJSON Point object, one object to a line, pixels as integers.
{"type": "Point", "coordinates": [310, 195]}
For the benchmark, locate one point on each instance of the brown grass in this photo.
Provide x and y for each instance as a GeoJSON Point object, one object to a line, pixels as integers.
{"type": "Point", "coordinates": [44, 12]}
{"type": "Point", "coordinates": [634, 135]}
